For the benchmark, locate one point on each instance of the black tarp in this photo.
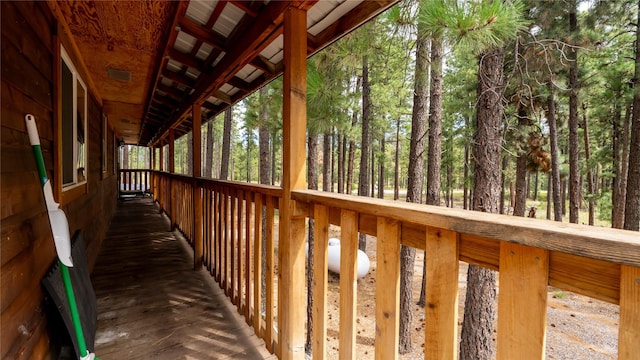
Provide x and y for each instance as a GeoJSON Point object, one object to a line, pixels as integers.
{"type": "Point", "coordinates": [83, 290]}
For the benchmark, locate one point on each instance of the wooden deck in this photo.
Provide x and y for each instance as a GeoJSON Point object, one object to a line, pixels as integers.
{"type": "Point", "coordinates": [152, 305]}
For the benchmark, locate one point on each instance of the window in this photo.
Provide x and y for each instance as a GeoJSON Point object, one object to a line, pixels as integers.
{"type": "Point", "coordinates": [105, 146]}
{"type": "Point", "coordinates": [73, 123]}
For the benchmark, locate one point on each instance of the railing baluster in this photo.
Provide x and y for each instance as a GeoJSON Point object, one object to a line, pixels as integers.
{"type": "Point", "coordinates": [240, 253]}
{"type": "Point", "coordinates": [321, 238]}
{"type": "Point", "coordinates": [247, 259]}
{"type": "Point", "coordinates": [225, 240]}
{"type": "Point", "coordinates": [387, 289]}
{"type": "Point", "coordinates": [629, 328]}
{"type": "Point", "coordinates": [441, 310]}
{"type": "Point", "coordinates": [348, 284]}
{"type": "Point", "coordinates": [257, 265]}
{"type": "Point", "coordinates": [268, 336]}
{"type": "Point", "coordinates": [522, 301]}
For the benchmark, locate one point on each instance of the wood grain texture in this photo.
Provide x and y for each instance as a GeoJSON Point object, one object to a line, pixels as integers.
{"type": "Point", "coordinates": [522, 302]}
{"type": "Point", "coordinates": [629, 330]}
{"type": "Point", "coordinates": [151, 302]}
{"type": "Point", "coordinates": [619, 246]}
{"type": "Point", "coordinates": [257, 264]}
{"type": "Point", "coordinates": [291, 248]}
{"type": "Point", "coordinates": [387, 289]}
{"type": "Point", "coordinates": [441, 303]}
{"type": "Point", "coordinates": [320, 268]}
{"type": "Point", "coordinates": [348, 284]}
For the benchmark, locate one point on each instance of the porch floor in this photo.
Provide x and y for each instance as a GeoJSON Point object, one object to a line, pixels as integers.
{"type": "Point", "coordinates": [152, 305]}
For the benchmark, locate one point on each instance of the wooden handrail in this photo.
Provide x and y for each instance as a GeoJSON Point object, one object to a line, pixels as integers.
{"type": "Point", "coordinates": [597, 262]}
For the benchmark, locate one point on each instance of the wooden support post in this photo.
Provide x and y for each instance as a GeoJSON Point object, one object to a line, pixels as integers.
{"type": "Point", "coordinates": [291, 251]}
{"type": "Point", "coordinates": [172, 189]}
{"type": "Point", "coordinates": [441, 310]}
{"type": "Point", "coordinates": [387, 289]}
{"type": "Point", "coordinates": [320, 265]}
{"type": "Point", "coordinates": [197, 192]}
{"type": "Point", "coordinates": [522, 302]}
{"type": "Point", "coordinates": [629, 329]}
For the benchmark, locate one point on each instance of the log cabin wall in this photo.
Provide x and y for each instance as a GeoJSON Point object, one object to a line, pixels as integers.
{"type": "Point", "coordinates": [27, 248]}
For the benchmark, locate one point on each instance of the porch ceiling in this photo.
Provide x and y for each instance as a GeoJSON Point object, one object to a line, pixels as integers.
{"type": "Point", "coordinates": [211, 53]}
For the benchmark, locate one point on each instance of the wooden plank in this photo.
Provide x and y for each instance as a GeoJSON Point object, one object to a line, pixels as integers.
{"type": "Point", "coordinates": [247, 259]}
{"type": "Point", "coordinates": [268, 336]}
{"type": "Point", "coordinates": [291, 250]}
{"type": "Point", "coordinates": [607, 244]}
{"type": "Point", "coordinates": [257, 265]}
{"type": "Point", "coordinates": [629, 329]}
{"type": "Point", "coordinates": [441, 310]}
{"type": "Point", "coordinates": [239, 243]}
{"type": "Point", "coordinates": [348, 284]}
{"type": "Point", "coordinates": [320, 268]}
{"type": "Point", "coordinates": [522, 302]}
{"type": "Point", "coordinates": [387, 289]}
{"type": "Point", "coordinates": [598, 279]}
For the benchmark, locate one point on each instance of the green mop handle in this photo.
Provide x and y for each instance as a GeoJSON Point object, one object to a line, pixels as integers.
{"type": "Point", "coordinates": [64, 270]}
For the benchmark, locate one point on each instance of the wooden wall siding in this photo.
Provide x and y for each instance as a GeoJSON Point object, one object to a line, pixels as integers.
{"type": "Point", "coordinates": [26, 246]}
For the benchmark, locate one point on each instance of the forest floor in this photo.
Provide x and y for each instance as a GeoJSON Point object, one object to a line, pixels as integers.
{"type": "Point", "coordinates": [578, 327]}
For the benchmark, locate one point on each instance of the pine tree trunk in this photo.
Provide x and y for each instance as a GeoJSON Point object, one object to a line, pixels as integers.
{"type": "Point", "coordinates": [208, 158]}
{"type": "Point", "coordinates": [549, 195]}
{"type": "Point", "coordinates": [621, 184]}
{"type": "Point", "coordinates": [632, 201]}
{"type": "Point", "coordinates": [587, 154]}
{"type": "Point", "coordinates": [326, 160]}
{"type": "Point", "coordinates": [363, 182]}
{"type": "Point", "coordinates": [396, 171]}
{"type": "Point", "coordinates": [519, 208]}
{"type": "Point", "coordinates": [574, 149]}
{"type": "Point", "coordinates": [381, 171]}
{"type": "Point", "coordinates": [480, 303]}
{"type": "Point", "coordinates": [312, 178]}
{"type": "Point", "coordinates": [189, 154]}
{"type": "Point", "coordinates": [465, 185]}
{"type": "Point", "coordinates": [557, 192]}
{"type": "Point", "coordinates": [414, 182]}
{"type": "Point", "coordinates": [333, 161]}
{"type": "Point", "coordinates": [226, 145]}
{"type": "Point", "coordinates": [341, 148]}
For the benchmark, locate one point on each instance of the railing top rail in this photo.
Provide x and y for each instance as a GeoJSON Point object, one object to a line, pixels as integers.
{"type": "Point", "coordinates": [244, 186]}
{"type": "Point", "coordinates": [614, 245]}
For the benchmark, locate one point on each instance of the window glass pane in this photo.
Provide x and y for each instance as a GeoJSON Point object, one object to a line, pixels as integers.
{"type": "Point", "coordinates": [81, 131]}
{"type": "Point", "coordinates": [67, 125]}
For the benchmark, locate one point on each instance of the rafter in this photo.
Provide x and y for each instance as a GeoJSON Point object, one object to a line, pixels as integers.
{"type": "Point", "coordinates": [201, 33]}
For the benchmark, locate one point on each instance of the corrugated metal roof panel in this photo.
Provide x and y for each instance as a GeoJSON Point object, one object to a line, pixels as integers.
{"type": "Point", "coordinates": [173, 65]}
{"type": "Point", "coordinates": [273, 52]}
{"type": "Point", "coordinates": [327, 15]}
{"type": "Point", "coordinates": [184, 42]}
{"type": "Point", "coordinates": [228, 20]}
{"type": "Point", "coordinates": [204, 51]}
{"type": "Point", "coordinates": [200, 10]}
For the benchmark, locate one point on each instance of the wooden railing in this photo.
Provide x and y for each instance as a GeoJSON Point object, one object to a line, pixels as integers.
{"type": "Point", "coordinates": [529, 254]}
{"type": "Point", "coordinates": [134, 181]}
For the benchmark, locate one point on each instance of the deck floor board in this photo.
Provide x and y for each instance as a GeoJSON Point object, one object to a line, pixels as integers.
{"type": "Point", "coordinates": [152, 305]}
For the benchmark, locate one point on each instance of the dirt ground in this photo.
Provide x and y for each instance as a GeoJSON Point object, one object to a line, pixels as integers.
{"type": "Point", "coordinates": [578, 327]}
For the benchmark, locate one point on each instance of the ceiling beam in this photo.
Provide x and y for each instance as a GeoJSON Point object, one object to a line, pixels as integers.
{"type": "Point", "coordinates": [181, 10]}
{"type": "Point", "coordinates": [174, 76]}
{"type": "Point", "coordinates": [202, 33]}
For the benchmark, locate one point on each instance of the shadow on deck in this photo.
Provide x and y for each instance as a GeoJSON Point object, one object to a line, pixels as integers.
{"type": "Point", "coordinates": [152, 305]}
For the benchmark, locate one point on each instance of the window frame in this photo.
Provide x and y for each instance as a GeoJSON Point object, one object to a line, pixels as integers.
{"type": "Point", "coordinates": [70, 191]}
